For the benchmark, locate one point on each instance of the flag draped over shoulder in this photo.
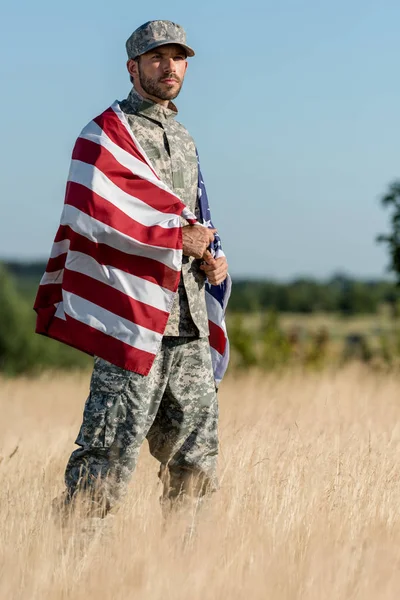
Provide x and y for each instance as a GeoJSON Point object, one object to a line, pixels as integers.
{"type": "Point", "coordinates": [116, 260]}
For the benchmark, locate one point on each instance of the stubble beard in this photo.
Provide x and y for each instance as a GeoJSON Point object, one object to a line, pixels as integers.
{"type": "Point", "coordinates": [154, 88]}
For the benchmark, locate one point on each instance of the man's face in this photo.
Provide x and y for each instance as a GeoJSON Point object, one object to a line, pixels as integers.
{"type": "Point", "coordinates": [161, 71]}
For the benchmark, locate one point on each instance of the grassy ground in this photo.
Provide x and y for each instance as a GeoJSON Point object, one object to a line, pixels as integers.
{"type": "Point", "coordinates": [308, 506]}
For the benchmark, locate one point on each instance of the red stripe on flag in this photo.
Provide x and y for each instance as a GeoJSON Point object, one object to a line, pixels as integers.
{"type": "Point", "coordinates": [45, 315]}
{"type": "Point", "coordinates": [94, 342]}
{"type": "Point", "coordinates": [101, 209]}
{"type": "Point", "coordinates": [94, 154]}
{"type": "Point", "coordinates": [115, 301]}
{"type": "Point", "coordinates": [48, 295]}
{"type": "Point", "coordinates": [57, 263]}
{"type": "Point", "coordinates": [217, 337]}
{"type": "Point", "coordinates": [140, 266]}
{"type": "Point", "coordinates": [111, 124]}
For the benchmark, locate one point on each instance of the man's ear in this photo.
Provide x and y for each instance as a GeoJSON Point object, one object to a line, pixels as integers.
{"type": "Point", "coordinates": [132, 67]}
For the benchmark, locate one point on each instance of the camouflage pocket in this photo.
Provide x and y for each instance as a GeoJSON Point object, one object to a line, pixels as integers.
{"type": "Point", "coordinates": [100, 421]}
{"type": "Point", "coordinates": [105, 407]}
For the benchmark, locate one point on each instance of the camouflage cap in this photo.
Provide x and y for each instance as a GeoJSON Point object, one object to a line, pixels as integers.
{"type": "Point", "coordinates": [156, 33]}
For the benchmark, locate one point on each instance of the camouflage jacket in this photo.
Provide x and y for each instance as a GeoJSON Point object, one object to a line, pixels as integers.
{"type": "Point", "coordinates": [172, 153]}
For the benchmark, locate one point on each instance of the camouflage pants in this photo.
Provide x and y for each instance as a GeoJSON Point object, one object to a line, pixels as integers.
{"type": "Point", "coordinates": [175, 407]}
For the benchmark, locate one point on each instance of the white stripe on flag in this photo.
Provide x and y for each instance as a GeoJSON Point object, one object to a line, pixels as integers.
{"type": "Point", "coordinates": [94, 133]}
{"type": "Point", "coordinates": [95, 180]}
{"type": "Point", "coordinates": [131, 285]}
{"type": "Point", "coordinates": [59, 248]}
{"type": "Point", "coordinates": [214, 310]}
{"type": "Point", "coordinates": [111, 324]}
{"type": "Point", "coordinates": [100, 233]}
{"type": "Point", "coordinates": [218, 311]}
{"type": "Point", "coordinates": [220, 363]}
{"type": "Point", "coordinates": [215, 356]}
{"type": "Point", "coordinates": [60, 314]}
{"type": "Point", "coordinates": [52, 277]}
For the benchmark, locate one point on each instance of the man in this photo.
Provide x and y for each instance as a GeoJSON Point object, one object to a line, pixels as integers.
{"type": "Point", "coordinates": [175, 405]}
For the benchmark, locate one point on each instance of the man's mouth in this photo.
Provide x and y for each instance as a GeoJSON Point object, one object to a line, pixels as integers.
{"type": "Point", "coordinates": [169, 80]}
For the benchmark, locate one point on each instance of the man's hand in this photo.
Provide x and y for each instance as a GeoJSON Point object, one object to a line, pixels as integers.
{"type": "Point", "coordinates": [196, 240]}
{"type": "Point", "coordinates": [215, 269]}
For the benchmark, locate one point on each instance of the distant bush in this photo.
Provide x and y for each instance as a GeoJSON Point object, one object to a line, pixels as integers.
{"type": "Point", "coordinates": [263, 343]}
{"type": "Point", "coordinates": [268, 346]}
{"type": "Point", "coordinates": [21, 350]}
{"type": "Point", "coordinates": [242, 342]}
{"type": "Point", "coordinates": [16, 341]}
{"type": "Point", "coordinates": [276, 350]}
{"type": "Point", "coordinates": [340, 295]}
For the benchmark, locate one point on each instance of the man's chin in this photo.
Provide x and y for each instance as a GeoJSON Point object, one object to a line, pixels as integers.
{"type": "Point", "coordinates": [173, 95]}
{"type": "Point", "coordinates": [169, 94]}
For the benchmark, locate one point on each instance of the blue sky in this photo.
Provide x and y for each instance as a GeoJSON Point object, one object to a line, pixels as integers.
{"type": "Point", "coordinates": [294, 107]}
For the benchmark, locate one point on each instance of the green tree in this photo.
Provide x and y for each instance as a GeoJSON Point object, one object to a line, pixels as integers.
{"type": "Point", "coordinates": [21, 350]}
{"type": "Point", "coordinates": [243, 343]}
{"type": "Point", "coordinates": [16, 343]}
{"type": "Point", "coordinates": [276, 350]}
{"type": "Point", "coordinates": [391, 200]}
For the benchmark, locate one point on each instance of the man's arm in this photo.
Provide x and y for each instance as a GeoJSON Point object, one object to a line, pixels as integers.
{"type": "Point", "coordinates": [215, 269]}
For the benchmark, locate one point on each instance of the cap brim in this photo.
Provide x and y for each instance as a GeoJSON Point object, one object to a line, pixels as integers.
{"type": "Point", "coordinates": [189, 51]}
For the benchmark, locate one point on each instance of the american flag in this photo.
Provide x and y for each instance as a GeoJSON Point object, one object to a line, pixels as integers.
{"type": "Point", "coordinates": [217, 296]}
{"type": "Point", "coordinates": [116, 259]}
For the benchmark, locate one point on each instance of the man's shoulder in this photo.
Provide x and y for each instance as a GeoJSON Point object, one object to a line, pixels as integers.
{"type": "Point", "coordinates": [181, 127]}
{"type": "Point", "coordinates": [182, 131]}
{"type": "Point", "coordinates": [128, 107]}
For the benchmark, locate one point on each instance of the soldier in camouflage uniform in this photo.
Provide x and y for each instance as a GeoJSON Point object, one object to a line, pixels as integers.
{"type": "Point", "coordinates": [175, 406]}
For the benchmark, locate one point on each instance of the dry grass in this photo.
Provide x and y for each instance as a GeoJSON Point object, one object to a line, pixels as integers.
{"type": "Point", "coordinates": [308, 508]}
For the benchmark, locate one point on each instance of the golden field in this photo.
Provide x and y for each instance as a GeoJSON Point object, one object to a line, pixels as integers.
{"type": "Point", "coordinates": [309, 505]}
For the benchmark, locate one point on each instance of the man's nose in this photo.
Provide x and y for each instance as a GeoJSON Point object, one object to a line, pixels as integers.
{"type": "Point", "coordinates": [169, 65]}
